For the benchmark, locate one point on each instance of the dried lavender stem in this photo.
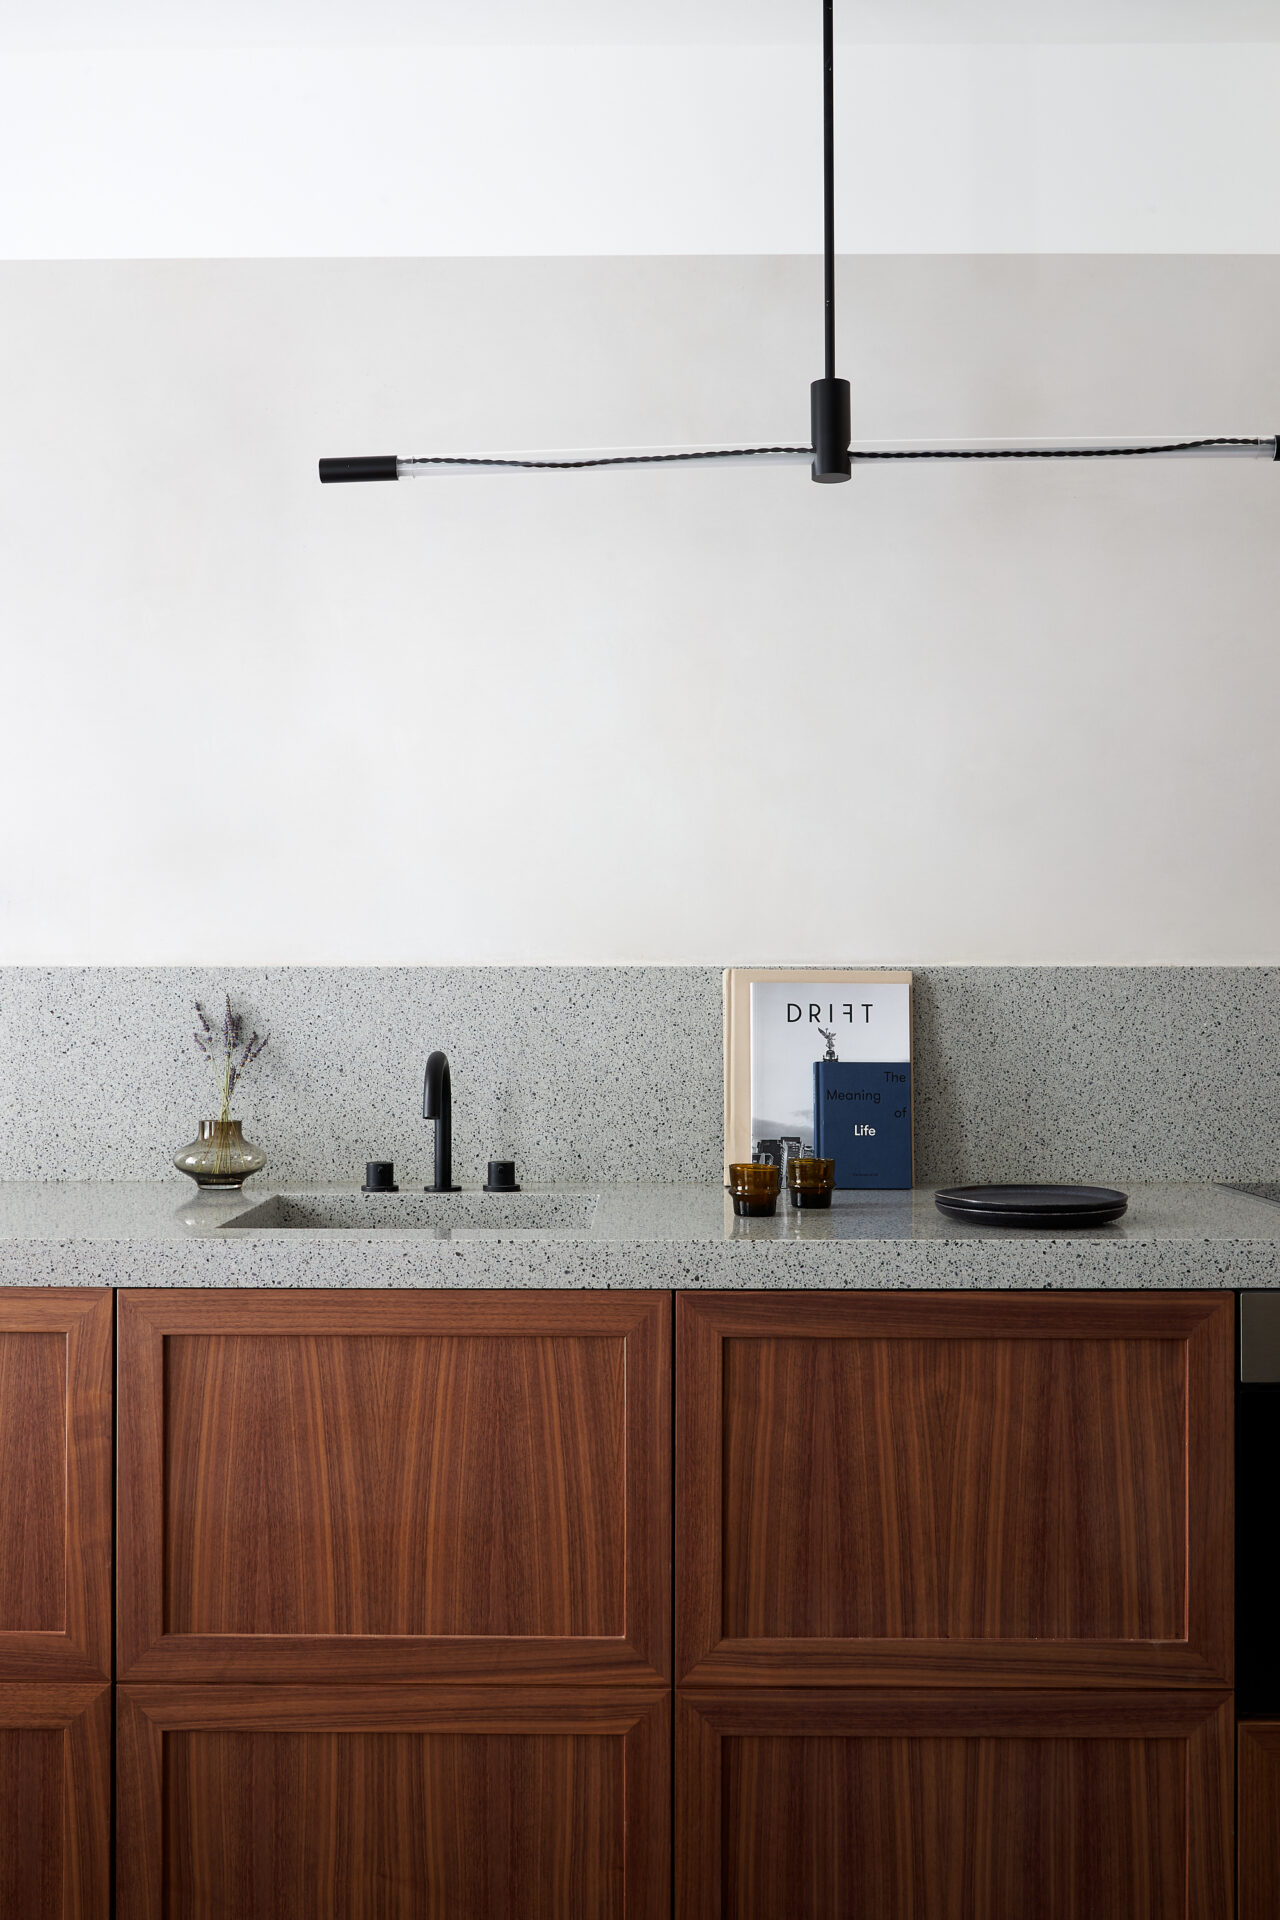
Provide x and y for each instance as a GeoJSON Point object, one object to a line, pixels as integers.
{"type": "Point", "coordinates": [228, 1068]}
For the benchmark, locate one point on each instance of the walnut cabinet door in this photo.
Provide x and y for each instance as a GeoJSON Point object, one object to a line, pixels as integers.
{"type": "Point", "coordinates": [55, 1602]}
{"type": "Point", "coordinates": [991, 1490]}
{"type": "Point", "coordinates": [55, 1802]}
{"type": "Point", "coordinates": [55, 1484]}
{"type": "Point", "coordinates": [395, 1803]}
{"type": "Point", "coordinates": [1258, 1824]}
{"type": "Point", "coordinates": [965, 1805]}
{"type": "Point", "coordinates": [394, 1485]}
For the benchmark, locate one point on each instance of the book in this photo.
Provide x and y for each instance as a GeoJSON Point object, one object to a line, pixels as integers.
{"type": "Point", "coordinates": [862, 1120]}
{"type": "Point", "coordinates": [776, 1025]}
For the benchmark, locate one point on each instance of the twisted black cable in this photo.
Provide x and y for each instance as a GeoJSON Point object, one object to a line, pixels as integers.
{"type": "Point", "coordinates": [1052, 453]}
{"type": "Point", "coordinates": [855, 453]}
{"type": "Point", "coordinates": [600, 460]}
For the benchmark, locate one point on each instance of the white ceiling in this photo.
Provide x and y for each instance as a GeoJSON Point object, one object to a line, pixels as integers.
{"type": "Point", "coordinates": [196, 23]}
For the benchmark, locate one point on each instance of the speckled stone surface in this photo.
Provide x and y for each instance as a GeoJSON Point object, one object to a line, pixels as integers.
{"type": "Point", "coordinates": [576, 1072]}
{"type": "Point", "coordinates": [1097, 1073]}
{"type": "Point", "coordinates": [614, 1074]}
{"type": "Point", "coordinates": [1185, 1235]}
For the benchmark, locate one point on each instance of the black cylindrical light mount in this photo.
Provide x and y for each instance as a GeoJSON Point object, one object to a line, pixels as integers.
{"type": "Point", "coordinates": [364, 466]}
{"type": "Point", "coordinates": [829, 418]}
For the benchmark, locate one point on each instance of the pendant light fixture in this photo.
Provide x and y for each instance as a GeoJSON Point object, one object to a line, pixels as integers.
{"type": "Point", "coordinates": [829, 454]}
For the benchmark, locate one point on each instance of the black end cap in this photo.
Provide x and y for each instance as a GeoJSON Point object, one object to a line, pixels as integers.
{"type": "Point", "coordinates": [364, 466]}
{"type": "Point", "coordinates": [829, 419]}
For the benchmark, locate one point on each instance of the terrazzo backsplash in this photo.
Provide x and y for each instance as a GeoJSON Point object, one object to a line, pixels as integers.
{"type": "Point", "coordinates": [614, 1074]}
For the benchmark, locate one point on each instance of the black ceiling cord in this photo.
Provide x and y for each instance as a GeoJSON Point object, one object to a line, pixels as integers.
{"type": "Point", "coordinates": [829, 414]}
{"type": "Point", "coordinates": [829, 410]}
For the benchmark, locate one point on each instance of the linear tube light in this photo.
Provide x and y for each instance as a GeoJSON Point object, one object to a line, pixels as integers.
{"type": "Point", "coordinates": [391, 466]}
{"type": "Point", "coordinates": [829, 454]}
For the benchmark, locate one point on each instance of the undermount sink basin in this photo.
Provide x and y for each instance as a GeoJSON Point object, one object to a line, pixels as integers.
{"type": "Point", "coordinates": [440, 1213]}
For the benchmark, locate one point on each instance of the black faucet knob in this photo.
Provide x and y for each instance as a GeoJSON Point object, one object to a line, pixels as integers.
{"type": "Point", "coordinates": [502, 1177]}
{"type": "Point", "coordinates": [380, 1177]}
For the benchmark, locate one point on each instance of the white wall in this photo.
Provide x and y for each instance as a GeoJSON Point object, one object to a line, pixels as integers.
{"type": "Point", "coordinates": [287, 151]}
{"type": "Point", "coordinates": [937, 714]}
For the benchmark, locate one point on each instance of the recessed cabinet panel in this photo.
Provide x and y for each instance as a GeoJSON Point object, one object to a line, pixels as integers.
{"type": "Point", "coordinates": [973, 1489]}
{"type": "Point", "coordinates": [55, 1484]}
{"type": "Point", "coordinates": [55, 1799]}
{"type": "Point", "coordinates": [954, 1489]}
{"type": "Point", "coordinates": [1258, 1830]}
{"type": "Point", "coordinates": [904, 1806]}
{"type": "Point", "coordinates": [33, 1482]}
{"type": "Point", "coordinates": [392, 1485]}
{"type": "Point", "coordinates": [325, 1804]}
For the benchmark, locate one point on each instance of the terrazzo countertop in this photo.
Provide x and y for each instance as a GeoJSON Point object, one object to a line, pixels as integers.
{"type": "Point", "coordinates": [165, 1235]}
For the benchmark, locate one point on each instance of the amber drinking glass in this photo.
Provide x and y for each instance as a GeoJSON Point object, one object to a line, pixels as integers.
{"type": "Point", "coordinates": [754, 1187]}
{"type": "Point", "coordinates": [810, 1182]}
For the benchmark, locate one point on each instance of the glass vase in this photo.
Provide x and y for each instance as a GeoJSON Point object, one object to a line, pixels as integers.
{"type": "Point", "coordinates": [220, 1156]}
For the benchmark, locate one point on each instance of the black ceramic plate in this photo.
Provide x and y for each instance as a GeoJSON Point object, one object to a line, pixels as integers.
{"type": "Point", "coordinates": [1033, 1206]}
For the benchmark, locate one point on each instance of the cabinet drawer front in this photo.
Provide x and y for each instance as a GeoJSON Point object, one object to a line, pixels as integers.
{"type": "Point", "coordinates": [55, 1802]}
{"type": "Point", "coordinates": [400, 1801]}
{"type": "Point", "coordinates": [55, 1484]}
{"type": "Point", "coordinates": [923, 1806]}
{"type": "Point", "coordinates": [394, 1486]}
{"type": "Point", "coordinates": [940, 1489]}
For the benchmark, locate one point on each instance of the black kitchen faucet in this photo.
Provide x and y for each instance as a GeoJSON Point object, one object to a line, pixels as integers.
{"type": "Point", "coordinates": [437, 1105]}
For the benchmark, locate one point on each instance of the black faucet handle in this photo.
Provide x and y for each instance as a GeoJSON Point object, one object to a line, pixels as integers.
{"type": "Point", "coordinates": [379, 1177]}
{"type": "Point", "coordinates": [501, 1177]}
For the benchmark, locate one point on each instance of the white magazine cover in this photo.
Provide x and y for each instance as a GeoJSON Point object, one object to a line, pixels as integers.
{"type": "Point", "coordinates": [789, 1023]}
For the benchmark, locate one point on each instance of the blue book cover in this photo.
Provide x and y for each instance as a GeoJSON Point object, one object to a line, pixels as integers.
{"type": "Point", "coordinates": [862, 1120]}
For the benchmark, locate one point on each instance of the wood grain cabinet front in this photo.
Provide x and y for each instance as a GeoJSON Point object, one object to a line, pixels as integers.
{"type": "Point", "coordinates": [1258, 1821]}
{"type": "Point", "coordinates": [404, 1803]}
{"type": "Point", "coordinates": [394, 1485]}
{"type": "Point", "coordinates": [890, 1805]}
{"type": "Point", "coordinates": [951, 1489]}
{"type": "Point", "coordinates": [55, 1484]}
{"type": "Point", "coordinates": [55, 1802]}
